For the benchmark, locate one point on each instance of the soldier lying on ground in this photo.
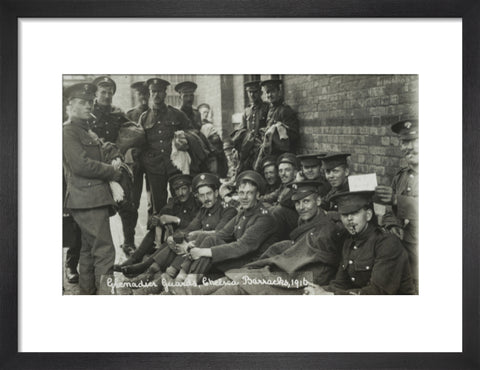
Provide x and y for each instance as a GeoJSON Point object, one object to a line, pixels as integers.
{"type": "Point", "coordinates": [373, 261]}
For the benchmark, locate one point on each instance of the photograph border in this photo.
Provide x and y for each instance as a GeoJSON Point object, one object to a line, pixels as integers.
{"type": "Point", "coordinates": [10, 11]}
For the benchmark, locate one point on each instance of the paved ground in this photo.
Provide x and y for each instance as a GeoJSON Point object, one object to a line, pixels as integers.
{"type": "Point", "coordinates": [117, 234]}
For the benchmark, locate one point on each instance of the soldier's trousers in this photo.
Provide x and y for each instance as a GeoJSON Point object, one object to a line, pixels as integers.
{"type": "Point", "coordinates": [203, 264]}
{"type": "Point", "coordinates": [147, 246]}
{"type": "Point", "coordinates": [128, 211]}
{"type": "Point", "coordinates": [158, 190]}
{"type": "Point", "coordinates": [412, 251]}
{"type": "Point", "coordinates": [73, 242]}
{"type": "Point", "coordinates": [97, 254]}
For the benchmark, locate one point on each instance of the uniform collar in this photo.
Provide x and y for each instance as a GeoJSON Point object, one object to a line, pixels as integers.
{"type": "Point", "coordinates": [251, 211]}
{"type": "Point", "coordinates": [102, 108]}
{"type": "Point", "coordinates": [365, 234]}
{"type": "Point", "coordinates": [80, 122]}
{"type": "Point", "coordinates": [214, 208]}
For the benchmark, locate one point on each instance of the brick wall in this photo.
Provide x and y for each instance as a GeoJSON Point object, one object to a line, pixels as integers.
{"type": "Point", "coordinates": [353, 113]}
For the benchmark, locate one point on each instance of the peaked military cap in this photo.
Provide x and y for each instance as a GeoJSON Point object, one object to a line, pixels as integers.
{"type": "Point", "coordinates": [203, 105]}
{"type": "Point", "coordinates": [179, 180]}
{"type": "Point", "coordinates": [208, 179]}
{"type": "Point", "coordinates": [269, 160]}
{"type": "Point", "coordinates": [105, 81]}
{"type": "Point", "coordinates": [157, 82]}
{"type": "Point", "coordinates": [302, 189]}
{"type": "Point", "coordinates": [186, 87]}
{"type": "Point", "coordinates": [252, 85]}
{"type": "Point", "coordinates": [254, 177]}
{"type": "Point", "coordinates": [352, 201]}
{"type": "Point", "coordinates": [333, 160]}
{"type": "Point", "coordinates": [85, 91]}
{"type": "Point", "coordinates": [288, 158]}
{"type": "Point", "coordinates": [275, 83]}
{"type": "Point", "coordinates": [311, 159]}
{"type": "Point", "coordinates": [407, 129]}
{"type": "Point", "coordinates": [140, 86]}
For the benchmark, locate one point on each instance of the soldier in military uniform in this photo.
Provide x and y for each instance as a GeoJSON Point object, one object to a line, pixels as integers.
{"type": "Point", "coordinates": [402, 217]}
{"type": "Point", "coordinates": [287, 165]}
{"type": "Point", "coordinates": [187, 89]}
{"type": "Point", "coordinates": [312, 252]}
{"type": "Point", "coordinates": [374, 262]}
{"type": "Point", "coordinates": [270, 174]}
{"type": "Point", "coordinates": [336, 170]}
{"type": "Point", "coordinates": [176, 214]}
{"type": "Point", "coordinates": [243, 239]}
{"type": "Point", "coordinates": [282, 131]}
{"type": "Point", "coordinates": [160, 122]}
{"type": "Point", "coordinates": [211, 218]}
{"type": "Point", "coordinates": [106, 123]}
{"type": "Point", "coordinates": [248, 137]}
{"type": "Point", "coordinates": [88, 195]}
{"type": "Point", "coordinates": [141, 92]}
{"type": "Point", "coordinates": [311, 167]}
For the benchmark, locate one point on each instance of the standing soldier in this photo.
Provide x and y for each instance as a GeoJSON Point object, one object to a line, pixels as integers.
{"type": "Point", "coordinates": [88, 195]}
{"type": "Point", "coordinates": [160, 122]}
{"type": "Point", "coordinates": [249, 135]}
{"type": "Point", "coordinates": [402, 196]}
{"type": "Point", "coordinates": [140, 90]}
{"type": "Point", "coordinates": [186, 89]}
{"type": "Point", "coordinates": [107, 122]}
{"type": "Point", "coordinates": [282, 123]}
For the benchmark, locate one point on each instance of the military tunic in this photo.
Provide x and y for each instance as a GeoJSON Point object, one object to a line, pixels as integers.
{"type": "Point", "coordinates": [160, 126]}
{"type": "Point", "coordinates": [135, 113]}
{"type": "Point", "coordinates": [373, 262]}
{"type": "Point", "coordinates": [194, 116]}
{"type": "Point", "coordinates": [405, 213]}
{"type": "Point", "coordinates": [107, 122]}
{"type": "Point", "coordinates": [281, 112]}
{"type": "Point", "coordinates": [90, 202]}
{"type": "Point", "coordinates": [242, 240]}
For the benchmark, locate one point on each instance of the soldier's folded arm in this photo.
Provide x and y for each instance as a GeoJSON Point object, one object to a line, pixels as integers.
{"type": "Point", "coordinates": [290, 121]}
{"type": "Point", "coordinates": [407, 207]}
{"type": "Point", "coordinates": [256, 234]}
{"type": "Point", "coordinates": [81, 164]}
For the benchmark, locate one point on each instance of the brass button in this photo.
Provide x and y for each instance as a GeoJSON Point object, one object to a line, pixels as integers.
{"type": "Point", "coordinates": [352, 278]}
{"type": "Point", "coordinates": [355, 247]}
{"type": "Point", "coordinates": [350, 262]}
{"type": "Point", "coordinates": [367, 267]}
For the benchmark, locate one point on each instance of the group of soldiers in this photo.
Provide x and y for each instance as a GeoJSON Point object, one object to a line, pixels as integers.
{"type": "Point", "coordinates": [247, 216]}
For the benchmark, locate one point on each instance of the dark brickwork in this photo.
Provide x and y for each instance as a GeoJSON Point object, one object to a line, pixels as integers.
{"type": "Point", "coordinates": [353, 113]}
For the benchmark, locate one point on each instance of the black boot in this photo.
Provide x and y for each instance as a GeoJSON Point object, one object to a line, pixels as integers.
{"type": "Point", "coordinates": [137, 268]}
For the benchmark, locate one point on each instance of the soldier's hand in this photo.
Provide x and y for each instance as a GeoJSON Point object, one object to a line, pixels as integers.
{"type": "Point", "coordinates": [197, 253]}
{"type": "Point", "coordinates": [117, 175]}
{"type": "Point", "coordinates": [116, 163]}
{"type": "Point", "coordinates": [167, 219]}
{"type": "Point", "coordinates": [385, 194]}
{"type": "Point", "coordinates": [396, 230]}
{"type": "Point", "coordinates": [192, 235]}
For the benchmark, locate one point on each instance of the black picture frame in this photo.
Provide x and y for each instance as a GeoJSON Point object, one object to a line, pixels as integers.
{"type": "Point", "coordinates": [11, 10]}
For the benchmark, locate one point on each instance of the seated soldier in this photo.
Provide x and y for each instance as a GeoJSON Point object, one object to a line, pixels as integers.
{"type": "Point", "coordinates": [270, 174]}
{"type": "Point", "coordinates": [336, 172]}
{"type": "Point", "coordinates": [373, 261]}
{"type": "Point", "coordinates": [312, 254]}
{"type": "Point", "coordinates": [212, 217]}
{"type": "Point", "coordinates": [176, 214]}
{"type": "Point", "coordinates": [283, 209]}
{"type": "Point", "coordinates": [311, 168]}
{"type": "Point", "coordinates": [243, 239]}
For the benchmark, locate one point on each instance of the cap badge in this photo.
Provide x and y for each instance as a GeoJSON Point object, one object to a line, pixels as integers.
{"type": "Point", "coordinates": [202, 177]}
{"type": "Point", "coordinates": [408, 124]}
{"type": "Point", "coordinates": [295, 186]}
{"type": "Point", "coordinates": [105, 79]}
{"type": "Point", "coordinates": [85, 86]}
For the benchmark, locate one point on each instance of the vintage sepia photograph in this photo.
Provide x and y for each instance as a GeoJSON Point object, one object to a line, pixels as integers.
{"type": "Point", "coordinates": [240, 184]}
